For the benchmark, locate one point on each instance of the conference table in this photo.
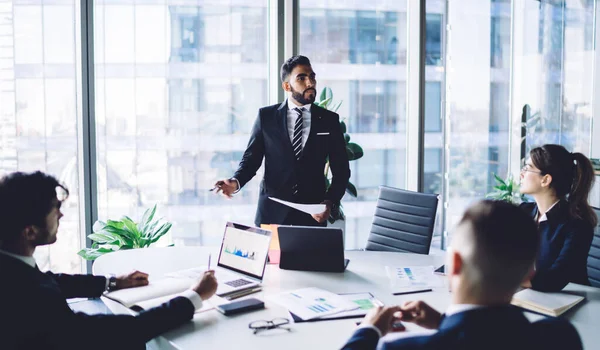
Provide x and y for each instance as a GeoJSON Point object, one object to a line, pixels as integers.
{"type": "Point", "coordinates": [366, 272]}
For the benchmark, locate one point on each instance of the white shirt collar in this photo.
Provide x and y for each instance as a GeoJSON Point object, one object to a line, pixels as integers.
{"type": "Point", "coordinates": [544, 217]}
{"type": "Point", "coordinates": [29, 260]}
{"type": "Point", "coordinates": [292, 105]}
{"type": "Point", "coordinates": [457, 308]}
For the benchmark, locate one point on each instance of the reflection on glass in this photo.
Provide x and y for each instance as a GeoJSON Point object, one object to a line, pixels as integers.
{"type": "Point", "coordinates": [360, 52]}
{"type": "Point", "coordinates": [557, 84]}
{"type": "Point", "coordinates": [38, 108]}
{"type": "Point", "coordinates": [177, 89]}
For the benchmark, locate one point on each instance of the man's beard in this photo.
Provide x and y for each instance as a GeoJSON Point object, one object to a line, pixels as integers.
{"type": "Point", "coordinates": [299, 96]}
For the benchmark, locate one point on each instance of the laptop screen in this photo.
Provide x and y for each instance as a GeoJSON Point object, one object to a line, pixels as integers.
{"type": "Point", "coordinates": [244, 249]}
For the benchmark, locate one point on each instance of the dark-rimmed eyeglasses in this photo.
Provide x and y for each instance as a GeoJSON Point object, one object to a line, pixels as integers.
{"type": "Point", "coordinates": [262, 325]}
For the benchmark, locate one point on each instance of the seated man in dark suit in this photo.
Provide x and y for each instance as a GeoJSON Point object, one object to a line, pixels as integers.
{"type": "Point", "coordinates": [34, 312]}
{"type": "Point", "coordinates": [493, 250]}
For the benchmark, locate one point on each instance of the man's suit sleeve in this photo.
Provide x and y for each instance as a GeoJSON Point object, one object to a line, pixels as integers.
{"type": "Point", "coordinates": [338, 163]}
{"type": "Point", "coordinates": [362, 339]}
{"type": "Point", "coordinates": [68, 329]}
{"type": "Point", "coordinates": [80, 286]}
{"type": "Point", "coordinates": [253, 156]}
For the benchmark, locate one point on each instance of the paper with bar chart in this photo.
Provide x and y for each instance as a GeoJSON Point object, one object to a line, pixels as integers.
{"type": "Point", "coordinates": [309, 303]}
{"type": "Point", "coordinates": [413, 276]}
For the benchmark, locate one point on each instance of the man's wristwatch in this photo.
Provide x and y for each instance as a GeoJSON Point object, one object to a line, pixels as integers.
{"type": "Point", "coordinates": [112, 284]}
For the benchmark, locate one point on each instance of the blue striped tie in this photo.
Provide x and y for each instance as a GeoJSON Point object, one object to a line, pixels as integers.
{"type": "Point", "coordinates": [297, 139]}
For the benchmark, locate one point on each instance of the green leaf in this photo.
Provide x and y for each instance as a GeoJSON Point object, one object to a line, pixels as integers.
{"type": "Point", "coordinates": [357, 151]}
{"type": "Point", "coordinates": [349, 153]}
{"type": "Point", "coordinates": [323, 95]}
{"type": "Point", "coordinates": [92, 254]}
{"type": "Point", "coordinates": [116, 224]}
{"type": "Point", "coordinates": [336, 107]}
{"type": "Point", "coordinates": [147, 218]}
{"type": "Point", "coordinates": [351, 190]}
{"type": "Point", "coordinates": [343, 127]}
{"type": "Point", "coordinates": [160, 232]}
{"type": "Point", "coordinates": [325, 103]}
{"type": "Point", "coordinates": [499, 180]}
{"type": "Point", "coordinates": [327, 183]}
{"type": "Point", "coordinates": [98, 226]}
{"type": "Point", "coordinates": [346, 138]}
{"type": "Point", "coordinates": [105, 237]}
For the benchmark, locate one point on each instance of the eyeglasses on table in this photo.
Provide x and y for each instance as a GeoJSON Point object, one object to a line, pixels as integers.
{"type": "Point", "coordinates": [263, 325]}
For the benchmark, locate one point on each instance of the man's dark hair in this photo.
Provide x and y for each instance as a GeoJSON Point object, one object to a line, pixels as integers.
{"type": "Point", "coordinates": [504, 242]}
{"type": "Point", "coordinates": [25, 200]}
{"type": "Point", "coordinates": [288, 66]}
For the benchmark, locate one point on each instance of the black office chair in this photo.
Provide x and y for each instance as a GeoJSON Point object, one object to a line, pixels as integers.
{"type": "Point", "coordinates": [403, 221]}
{"type": "Point", "coordinates": [593, 264]}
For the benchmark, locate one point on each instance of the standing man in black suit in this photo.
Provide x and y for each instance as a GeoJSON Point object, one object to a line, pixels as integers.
{"type": "Point", "coordinates": [34, 312]}
{"type": "Point", "coordinates": [493, 250]}
{"type": "Point", "coordinates": [295, 138]}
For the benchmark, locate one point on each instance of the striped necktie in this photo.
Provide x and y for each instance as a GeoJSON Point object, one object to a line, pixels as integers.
{"type": "Point", "coordinates": [297, 139]}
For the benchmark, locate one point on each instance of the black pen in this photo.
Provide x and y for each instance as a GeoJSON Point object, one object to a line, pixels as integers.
{"type": "Point", "coordinates": [413, 291]}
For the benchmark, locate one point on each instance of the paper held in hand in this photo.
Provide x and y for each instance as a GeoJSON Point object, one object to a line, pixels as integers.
{"type": "Point", "coordinates": [311, 209]}
{"type": "Point", "coordinates": [551, 304]}
{"type": "Point", "coordinates": [309, 303]}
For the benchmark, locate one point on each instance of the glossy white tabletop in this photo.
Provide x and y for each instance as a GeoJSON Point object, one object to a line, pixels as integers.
{"type": "Point", "coordinates": [365, 273]}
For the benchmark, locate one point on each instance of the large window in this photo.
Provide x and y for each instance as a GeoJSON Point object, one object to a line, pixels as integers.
{"type": "Point", "coordinates": [39, 108]}
{"type": "Point", "coordinates": [554, 80]}
{"type": "Point", "coordinates": [177, 85]}
{"type": "Point", "coordinates": [360, 52]}
{"type": "Point", "coordinates": [177, 89]}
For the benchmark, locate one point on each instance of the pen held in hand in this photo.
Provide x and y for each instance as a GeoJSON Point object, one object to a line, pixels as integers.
{"type": "Point", "coordinates": [413, 291]}
{"type": "Point", "coordinates": [209, 256]}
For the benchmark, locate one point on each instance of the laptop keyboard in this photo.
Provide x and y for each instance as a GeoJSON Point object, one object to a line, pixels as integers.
{"type": "Point", "coordinates": [238, 283]}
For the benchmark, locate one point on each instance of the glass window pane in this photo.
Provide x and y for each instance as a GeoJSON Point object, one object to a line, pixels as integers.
{"type": "Point", "coordinates": [39, 92]}
{"type": "Point", "coordinates": [178, 86]}
{"type": "Point", "coordinates": [359, 51]}
{"type": "Point", "coordinates": [556, 81]}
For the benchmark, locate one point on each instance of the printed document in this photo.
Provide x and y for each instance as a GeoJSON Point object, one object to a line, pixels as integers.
{"type": "Point", "coordinates": [311, 209]}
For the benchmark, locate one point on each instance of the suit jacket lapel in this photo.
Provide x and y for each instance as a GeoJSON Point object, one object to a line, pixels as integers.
{"type": "Point", "coordinates": [283, 127]}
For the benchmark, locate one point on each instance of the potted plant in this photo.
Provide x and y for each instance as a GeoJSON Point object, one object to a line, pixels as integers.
{"type": "Point", "coordinates": [353, 150]}
{"type": "Point", "coordinates": [111, 235]}
{"type": "Point", "coordinates": [506, 190]}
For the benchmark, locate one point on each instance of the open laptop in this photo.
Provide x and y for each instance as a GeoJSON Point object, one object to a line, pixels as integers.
{"type": "Point", "coordinates": [242, 257]}
{"type": "Point", "coordinates": [310, 248]}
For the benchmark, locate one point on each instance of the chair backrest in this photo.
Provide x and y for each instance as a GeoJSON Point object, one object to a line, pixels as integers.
{"type": "Point", "coordinates": [593, 264]}
{"type": "Point", "coordinates": [403, 221]}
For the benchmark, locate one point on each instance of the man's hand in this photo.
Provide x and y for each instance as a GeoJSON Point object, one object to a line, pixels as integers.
{"type": "Point", "coordinates": [420, 313]}
{"type": "Point", "coordinates": [132, 279]}
{"type": "Point", "coordinates": [385, 319]}
{"type": "Point", "coordinates": [321, 218]}
{"type": "Point", "coordinates": [227, 187]}
{"type": "Point", "coordinates": [207, 286]}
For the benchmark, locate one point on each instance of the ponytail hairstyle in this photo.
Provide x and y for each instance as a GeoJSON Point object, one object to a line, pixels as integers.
{"type": "Point", "coordinates": [572, 178]}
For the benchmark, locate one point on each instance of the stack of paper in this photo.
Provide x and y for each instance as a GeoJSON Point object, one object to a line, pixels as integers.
{"type": "Point", "coordinates": [551, 304]}
{"type": "Point", "coordinates": [310, 303]}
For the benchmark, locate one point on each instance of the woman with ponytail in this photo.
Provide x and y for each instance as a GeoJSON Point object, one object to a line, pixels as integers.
{"type": "Point", "coordinates": [559, 181]}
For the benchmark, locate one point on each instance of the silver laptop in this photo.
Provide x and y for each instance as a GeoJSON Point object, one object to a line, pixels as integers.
{"type": "Point", "coordinates": [242, 258]}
